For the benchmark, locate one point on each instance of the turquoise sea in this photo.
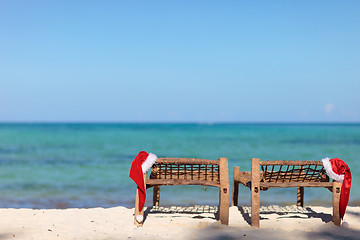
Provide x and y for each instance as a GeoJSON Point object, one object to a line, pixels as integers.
{"type": "Point", "coordinates": [87, 165]}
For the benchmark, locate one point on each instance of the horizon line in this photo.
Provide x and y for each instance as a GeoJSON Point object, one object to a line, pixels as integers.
{"type": "Point", "coordinates": [178, 122]}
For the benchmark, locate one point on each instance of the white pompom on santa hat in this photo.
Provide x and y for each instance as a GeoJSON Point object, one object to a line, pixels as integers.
{"type": "Point", "coordinates": [338, 170]}
{"type": "Point", "coordinates": [140, 165]}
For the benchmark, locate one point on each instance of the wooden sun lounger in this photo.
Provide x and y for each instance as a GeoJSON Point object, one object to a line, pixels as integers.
{"type": "Point", "coordinates": [190, 171]}
{"type": "Point", "coordinates": [284, 174]}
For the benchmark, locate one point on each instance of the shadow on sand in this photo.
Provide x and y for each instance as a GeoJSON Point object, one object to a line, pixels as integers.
{"type": "Point", "coordinates": [193, 211]}
{"type": "Point", "coordinates": [217, 231]}
{"type": "Point", "coordinates": [284, 212]}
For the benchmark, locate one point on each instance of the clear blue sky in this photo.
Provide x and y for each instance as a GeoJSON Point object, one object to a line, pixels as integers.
{"type": "Point", "coordinates": [180, 61]}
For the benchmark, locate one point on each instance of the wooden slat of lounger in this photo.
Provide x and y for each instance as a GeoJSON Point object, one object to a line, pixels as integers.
{"type": "Point", "coordinates": [301, 173]}
{"type": "Point", "coordinates": [308, 176]}
{"type": "Point", "coordinates": [286, 162]}
{"type": "Point", "coordinates": [187, 161]}
{"type": "Point", "coordinates": [163, 182]}
{"type": "Point", "coordinates": [181, 172]}
{"type": "Point", "coordinates": [178, 170]}
{"type": "Point", "coordinates": [289, 175]}
{"type": "Point", "coordinates": [206, 172]}
{"type": "Point", "coordinates": [296, 184]}
{"type": "Point", "coordinates": [279, 173]}
{"type": "Point", "coordinates": [245, 177]}
{"type": "Point", "coordinates": [166, 171]}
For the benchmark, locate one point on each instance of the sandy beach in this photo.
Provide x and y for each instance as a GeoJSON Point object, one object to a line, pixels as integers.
{"type": "Point", "coordinates": [197, 222]}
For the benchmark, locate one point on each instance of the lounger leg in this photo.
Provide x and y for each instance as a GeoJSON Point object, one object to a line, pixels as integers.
{"type": "Point", "coordinates": [300, 197]}
{"type": "Point", "coordinates": [137, 210]}
{"type": "Point", "coordinates": [255, 192]}
{"type": "Point", "coordinates": [156, 196]}
{"type": "Point", "coordinates": [224, 191]}
{"type": "Point", "coordinates": [336, 203]}
{"type": "Point", "coordinates": [235, 190]}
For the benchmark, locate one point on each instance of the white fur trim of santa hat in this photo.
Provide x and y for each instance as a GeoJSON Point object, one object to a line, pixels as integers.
{"type": "Point", "coordinates": [149, 161]}
{"type": "Point", "coordinates": [139, 218]}
{"type": "Point", "coordinates": [327, 165]}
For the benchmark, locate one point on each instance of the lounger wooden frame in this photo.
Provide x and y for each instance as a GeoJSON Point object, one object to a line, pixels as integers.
{"type": "Point", "coordinates": [284, 174]}
{"type": "Point", "coordinates": [189, 171]}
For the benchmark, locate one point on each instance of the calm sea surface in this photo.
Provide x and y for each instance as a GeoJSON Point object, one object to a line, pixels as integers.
{"type": "Point", "coordinates": [87, 165]}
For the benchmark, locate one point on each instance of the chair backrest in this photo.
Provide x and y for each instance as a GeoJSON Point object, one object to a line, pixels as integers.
{"type": "Point", "coordinates": [293, 171]}
{"type": "Point", "coordinates": [187, 171]}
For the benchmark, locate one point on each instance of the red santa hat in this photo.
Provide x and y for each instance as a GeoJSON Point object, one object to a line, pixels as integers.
{"type": "Point", "coordinates": [338, 170]}
{"type": "Point", "coordinates": [140, 165]}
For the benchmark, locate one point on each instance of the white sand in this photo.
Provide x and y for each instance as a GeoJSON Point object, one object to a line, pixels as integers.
{"type": "Point", "coordinates": [176, 223]}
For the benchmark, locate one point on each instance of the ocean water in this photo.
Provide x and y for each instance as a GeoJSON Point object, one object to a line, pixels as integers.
{"type": "Point", "coordinates": [87, 165]}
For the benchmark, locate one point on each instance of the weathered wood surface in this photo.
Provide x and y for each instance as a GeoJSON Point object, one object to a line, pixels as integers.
{"type": "Point", "coordinates": [245, 177]}
{"type": "Point", "coordinates": [289, 177]}
{"type": "Point", "coordinates": [255, 192]}
{"type": "Point", "coordinates": [336, 203]}
{"type": "Point", "coordinates": [224, 191]}
{"type": "Point", "coordinates": [193, 172]}
{"type": "Point", "coordinates": [187, 161]}
{"type": "Point", "coordinates": [235, 188]}
{"type": "Point", "coordinates": [288, 162]}
{"type": "Point", "coordinates": [183, 170]}
{"type": "Point", "coordinates": [156, 195]}
{"type": "Point", "coordinates": [296, 184]}
{"type": "Point", "coordinates": [300, 197]}
{"type": "Point", "coordinates": [163, 182]}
